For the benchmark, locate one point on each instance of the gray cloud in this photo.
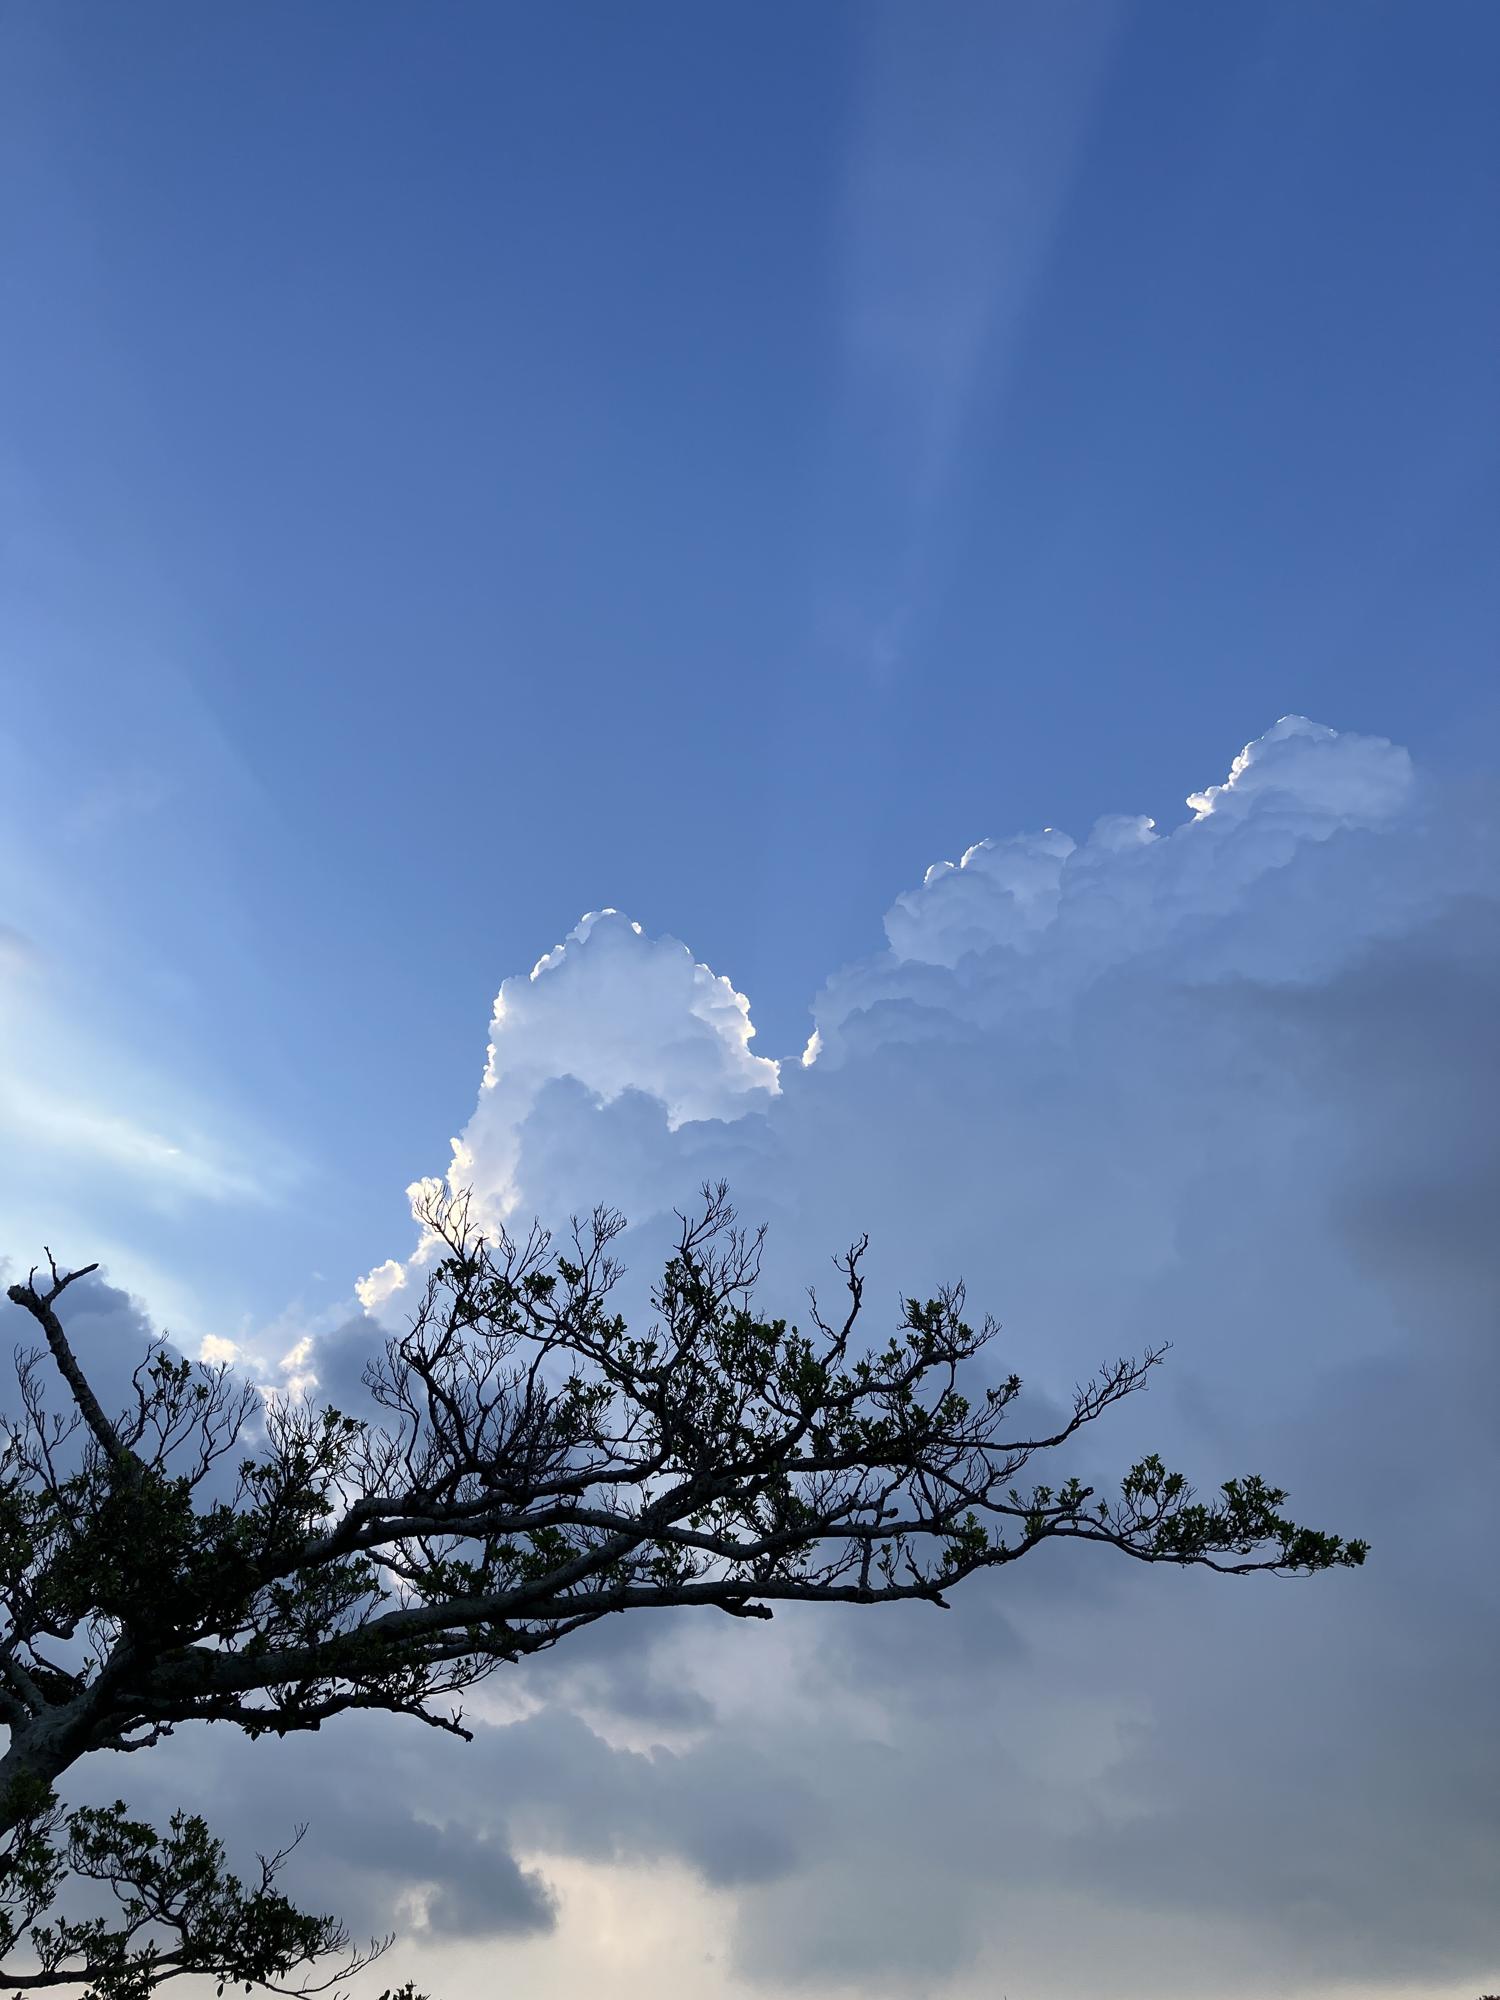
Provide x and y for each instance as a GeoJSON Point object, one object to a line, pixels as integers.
{"type": "Point", "coordinates": [1236, 1089]}
{"type": "Point", "coordinates": [401, 1836]}
{"type": "Point", "coordinates": [110, 1332]}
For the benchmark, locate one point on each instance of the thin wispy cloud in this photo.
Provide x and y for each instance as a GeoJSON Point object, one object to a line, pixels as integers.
{"type": "Point", "coordinates": [38, 1121]}
{"type": "Point", "coordinates": [962, 148]}
{"type": "Point", "coordinates": [104, 1155]}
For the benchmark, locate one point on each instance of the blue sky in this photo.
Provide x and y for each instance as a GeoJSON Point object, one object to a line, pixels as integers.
{"type": "Point", "coordinates": [465, 467]}
{"type": "Point", "coordinates": [710, 461]}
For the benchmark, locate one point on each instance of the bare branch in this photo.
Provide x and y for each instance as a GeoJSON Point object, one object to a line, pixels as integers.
{"type": "Point", "coordinates": [41, 1305]}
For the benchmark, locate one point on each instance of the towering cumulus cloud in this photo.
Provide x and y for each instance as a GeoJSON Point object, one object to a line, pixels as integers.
{"type": "Point", "coordinates": [1045, 915]}
{"type": "Point", "coordinates": [1231, 1085]}
{"type": "Point", "coordinates": [613, 1010]}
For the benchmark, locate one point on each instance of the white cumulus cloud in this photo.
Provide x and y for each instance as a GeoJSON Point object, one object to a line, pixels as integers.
{"type": "Point", "coordinates": [1048, 915]}
{"type": "Point", "coordinates": [1231, 1085]}
{"type": "Point", "coordinates": [615, 1011]}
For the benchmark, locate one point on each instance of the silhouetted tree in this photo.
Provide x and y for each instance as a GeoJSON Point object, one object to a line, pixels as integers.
{"type": "Point", "coordinates": [537, 1466]}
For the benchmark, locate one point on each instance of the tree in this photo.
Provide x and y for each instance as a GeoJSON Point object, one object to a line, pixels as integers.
{"type": "Point", "coordinates": [536, 1466]}
{"type": "Point", "coordinates": [179, 1909]}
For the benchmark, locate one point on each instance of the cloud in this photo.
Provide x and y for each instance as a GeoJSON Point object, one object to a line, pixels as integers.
{"type": "Point", "coordinates": [177, 1164]}
{"type": "Point", "coordinates": [17, 954]}
{"type": "Point", "coordinates": [382, 1851]}
{"type": "Point", "coordinates": [616, 1012]}
{"type": "Point", "coordinates": [1321, 778]}
{"type": "Point", "coordinates": [110, 1332]}
{"type": "Point", "coordinates": [950, 199]}
{"type": "Point", "coordinates": [1075, 909]}
{"type": "Point", "coordinates": [962, 152]}
{"type": "Point", "coordinates": [1233, 1085]}
{"type": "Point", "coordinates": [117, 1151]}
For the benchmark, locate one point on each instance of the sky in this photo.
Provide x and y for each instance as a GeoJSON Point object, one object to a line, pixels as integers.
{"type": "Point", "coordinates": [914, 590]}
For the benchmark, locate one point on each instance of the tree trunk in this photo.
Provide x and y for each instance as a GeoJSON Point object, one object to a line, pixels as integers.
{"type": "Point", "coordinates": [36, 1757]}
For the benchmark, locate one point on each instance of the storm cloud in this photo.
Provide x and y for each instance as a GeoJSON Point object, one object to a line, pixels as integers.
{"type": "Point", "coordinates": [1230, 1085]}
